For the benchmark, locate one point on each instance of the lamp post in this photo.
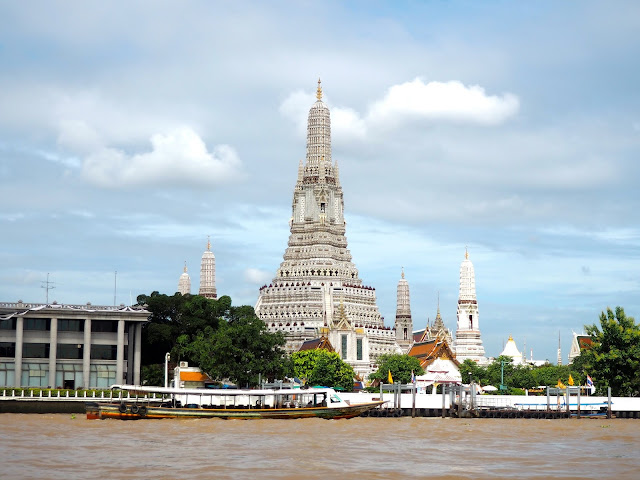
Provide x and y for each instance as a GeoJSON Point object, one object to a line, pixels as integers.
{"type": "Point", "coordinates": [167, 357]}
{"type": "Point", "coordinates": [503, 387]}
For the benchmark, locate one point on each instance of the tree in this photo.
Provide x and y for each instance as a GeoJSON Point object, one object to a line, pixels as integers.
{"type": "Point", "coordinates": [400, 367]}
{"type": "Point", "coordinates": [320, 367]}
{"type": "Point", "coordinates": [240, 349]}
{"type": "Point", "coordinates": [614, 357]}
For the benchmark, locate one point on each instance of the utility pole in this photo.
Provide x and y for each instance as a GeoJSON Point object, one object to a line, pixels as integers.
{"type": "Point", "coordinates": [47, 286]}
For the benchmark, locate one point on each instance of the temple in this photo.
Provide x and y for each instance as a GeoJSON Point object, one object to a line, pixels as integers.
{"type": "Point", "coordinates": [316, 289]}
{"type": "Point", "coordinates": [208, 273]}
{"type": "Point", "coordinates": [468, 344]}
{"type": "Point", "coordinates": [184, 282]}
{"type": "Point", "coordinates": [404, 323]}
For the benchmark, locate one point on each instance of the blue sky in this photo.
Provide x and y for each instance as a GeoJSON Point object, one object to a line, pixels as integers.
{"type": "Point", "coordinates": [129, 131]}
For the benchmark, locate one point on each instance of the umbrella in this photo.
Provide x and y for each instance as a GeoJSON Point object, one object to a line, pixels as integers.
{"type": "Point", "coordinates": [489, 388]}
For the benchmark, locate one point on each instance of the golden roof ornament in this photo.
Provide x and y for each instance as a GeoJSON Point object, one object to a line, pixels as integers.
{"type": "Point", "coordinates": [319, 91]}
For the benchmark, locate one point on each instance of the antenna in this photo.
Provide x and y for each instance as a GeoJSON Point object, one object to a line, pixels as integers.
{"type": "Point", "coordinates": [115, 286]}
{"type": "Point", "coordinates": [47, 286]}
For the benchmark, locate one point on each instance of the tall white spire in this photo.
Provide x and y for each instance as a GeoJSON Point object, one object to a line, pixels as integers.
{"type": "Point", "coordinates": [184, 282]}
{"type": "Point", "coordinates": [208, 273]}
{"type": "Point", "coordinates": [468, 343]}
{"type": "Point", "coordinates": [404, 322]}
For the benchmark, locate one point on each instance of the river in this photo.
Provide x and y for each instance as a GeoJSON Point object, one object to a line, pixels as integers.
{"type": "Point", "coordinates": [70, 447]}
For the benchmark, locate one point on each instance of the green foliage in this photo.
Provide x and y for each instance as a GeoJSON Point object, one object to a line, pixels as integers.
{"type": "Point", "coordinates": [614, 357]}
{"type": "Point", "coordinates": [320, 367]}
{"type": "Point", "coordinates": [400, 367]}
{"type": "Point", "coordinates": [224, 341]}
{"type": "Point", "coordinates": [152, 374]}
{"type": "Point", "coordinates": [240, 349]}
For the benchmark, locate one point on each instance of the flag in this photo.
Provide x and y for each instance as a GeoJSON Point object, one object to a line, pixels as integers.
{"type": "Point", "coordinates": [589, 381]}
{"type": "Point", "coordinates": [413, 377]}
{"type": "Point", "coordinates": [570, 380]}
{"type": "Point", "coordinates": [390, 378]}
{"type": "Point", "coordinates": [560, 384]}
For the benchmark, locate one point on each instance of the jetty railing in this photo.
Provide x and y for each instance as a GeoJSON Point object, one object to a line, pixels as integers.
{"type": "Point", "coordinates": [73, 395]}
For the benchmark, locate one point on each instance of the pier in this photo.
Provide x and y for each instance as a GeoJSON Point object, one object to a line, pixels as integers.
{"type": "Point", "coordinates": [461, 401]}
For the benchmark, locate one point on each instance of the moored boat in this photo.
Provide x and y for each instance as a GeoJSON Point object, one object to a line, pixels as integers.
{"type": "Point", "coordinates": [226, 404]}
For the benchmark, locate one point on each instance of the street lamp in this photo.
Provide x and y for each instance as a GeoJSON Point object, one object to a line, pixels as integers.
{"type": "Point", "coordinates": [167, 357]}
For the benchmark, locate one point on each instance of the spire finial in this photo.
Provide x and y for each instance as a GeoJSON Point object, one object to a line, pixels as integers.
{"type": "Point", "coordinates": [319, 91]}
{"type": "Point", "coordinates": [466, 253]}
{"type": "Point", "coordinates": [208, 242]}
{"type": "Point", "coordinates": [185, 266]}
{"type": "Point", "coordinates": [402, 272]}
{"type": "Point", "coordinates": [438, 302]}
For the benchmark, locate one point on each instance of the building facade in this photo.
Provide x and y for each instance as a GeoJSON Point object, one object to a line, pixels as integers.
{"type": "Point", "coordinates": [69, 346]}
{"type": "Point", "coordinates": [468, 343]}
{"type": "Point", "coordinates": [317, 283]}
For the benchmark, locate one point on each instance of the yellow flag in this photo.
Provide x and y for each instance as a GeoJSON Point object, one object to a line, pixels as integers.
{"type": "Point", "coordinates": [560, 384]}
{"type": "Point", "coordinates": [390, 379]}
{"type": "Point", "coordinates": [570, 380]}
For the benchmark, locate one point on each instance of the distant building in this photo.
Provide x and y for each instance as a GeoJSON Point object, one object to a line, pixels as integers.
{"type": "Point", "coordinates": [404, 323]}
{"type": "Point", "coordinates": [579, 343]}
{"type": "Point", "coordinates": [69, 346]}
{"type": "Point", "coordinates": [438, 361]}
{"type": "Point", "coordinates": [468, 344]}
{"type": "Point", "coordinates": [184, 282]}
{"type": "Point", "coordinates": [208, 273]}
{"type": "Point", "coordinates": [511, 350]}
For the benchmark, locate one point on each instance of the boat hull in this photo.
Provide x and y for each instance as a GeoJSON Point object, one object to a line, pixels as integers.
{"type": "Point", "coordinates": [135, 411]}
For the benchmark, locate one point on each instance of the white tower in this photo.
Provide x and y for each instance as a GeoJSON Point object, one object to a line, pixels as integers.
{"type": "Point", "coordinates": [468, 344]}
{"type": "Point", "coordinates": [404, 323]}
{"type": "Point", "coordinates": [184, 283]}
{"type": "Point", "coordinates": [208, 273]}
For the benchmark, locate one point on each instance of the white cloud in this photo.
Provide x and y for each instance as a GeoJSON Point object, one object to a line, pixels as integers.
{"type": "Point", "coordinates": [256, 276]}
{"type": "Point", "coordinates": [450, 101]}
{"type": "Point", "coordinates": [407, 102]}
{"type": "Point", "coordinates": [177, 158]}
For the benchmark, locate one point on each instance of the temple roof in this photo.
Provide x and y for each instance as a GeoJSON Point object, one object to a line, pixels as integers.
{"type": "Point", "coordinates": [429, 350]}
{"type": "Point", "coordinates": [321, 343]}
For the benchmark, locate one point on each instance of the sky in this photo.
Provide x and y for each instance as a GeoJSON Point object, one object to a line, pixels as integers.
{"type": "Point", "coordinates": [132, 130]}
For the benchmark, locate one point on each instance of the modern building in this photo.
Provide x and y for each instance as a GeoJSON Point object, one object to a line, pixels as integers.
{"type": "Point", "coordinates": [184, 282]}
{"type": "Point", "coordinates": [317, 283]}
{"type": "Point", "coordinates": [208, 273]}
{"type": "Point", "coordinates": [468, 344]}
{"type": "Point", "coordinates": [404, 322]}
{"type": "Point", "coordinates": [69, 346]}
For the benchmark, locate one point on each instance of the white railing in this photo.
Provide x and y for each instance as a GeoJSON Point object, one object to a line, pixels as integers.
{"type": "Point", "coordinates": [81, 396]}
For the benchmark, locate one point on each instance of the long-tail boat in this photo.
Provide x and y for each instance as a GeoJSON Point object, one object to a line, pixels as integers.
{"type": "Point", "coordinates": [144, 402]}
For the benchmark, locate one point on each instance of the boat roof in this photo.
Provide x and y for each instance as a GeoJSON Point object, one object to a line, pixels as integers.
{"type": "Point", "coordinates": [144, 389]}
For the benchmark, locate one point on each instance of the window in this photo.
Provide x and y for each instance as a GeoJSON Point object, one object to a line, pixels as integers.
{"type": "Point", "coordinates": [7, 349]}
{"type": "Point", "coordinates": [405, 334]}
{"type": "Point", "coordinates": [67, 325]}
{"type": "Point", "coordinates": [470, 322]}
{"type": "Point", "coordinates": [35, 350]}
{"type": "Point", "coordinates": [8, 324]}
{"type": "Point", "coordinates": [344, 347]}
{"type": "Point", "coordinates": [359, 348]}
{"type": "Point", "coordinates": [104, 326]}
{"type": "Point", "coordinates": [37, 324]}
{"type": "Point", "coordinates": [104, 352]}
{"type": "Point", "coordinates": [69, 350]}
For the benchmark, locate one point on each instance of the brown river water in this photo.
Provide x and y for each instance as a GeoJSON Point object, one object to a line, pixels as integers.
{"type": "Point", "coordinates": [60, 446]}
